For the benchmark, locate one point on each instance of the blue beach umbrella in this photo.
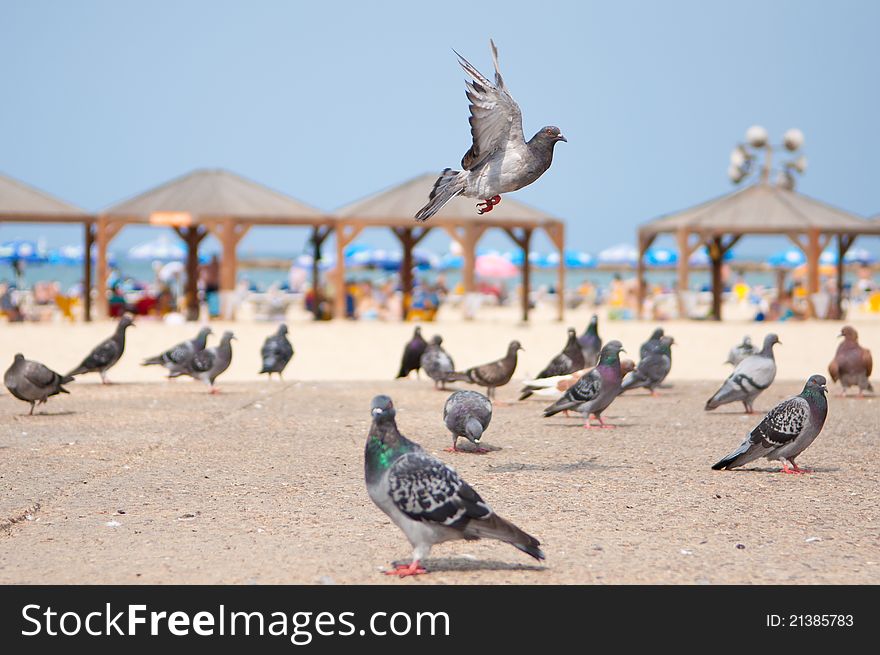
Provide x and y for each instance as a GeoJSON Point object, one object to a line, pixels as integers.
{"type": "Point", "coordinates": [660, 257]}
{"type": "Point", "coordinates": [22, 251]}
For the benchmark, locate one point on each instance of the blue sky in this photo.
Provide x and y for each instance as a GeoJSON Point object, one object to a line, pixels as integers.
{"type": "Point", "coordinates": [330, 101]}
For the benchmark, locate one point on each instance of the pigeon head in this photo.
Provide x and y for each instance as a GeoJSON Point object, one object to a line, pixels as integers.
{"type": "Point", "coordinates": [769, 341]}
{"type": "Point", "coordinates": [417, 332]}
{"type": "Point", "coordinates": [473, 430]}
{"type": "Point", "coordinates": [126, 321]}
{"type": "Point", "coordinates": [19, 358]}
{"type": "Point", "coordinates": [747, 341]}
{"type": "Point", "coordinates": [611, 352]}
{"type": "Point", "coordinates": [437, 340]}
{"type": "Point", "coordinates": [572, 334]}
{"type": "Point", "coordinates": [849, 333]}
{"type": "Point", "coordinates": [656, 334]}
{"type": "Point", "coordinates": [666, 343]}
{"type": "Point", "coordinates": [550, 135]}
{"type": "Point", "coordinates": [816, 384]}
{"type": "Point", "coordinates": [205, 331]}
{"type": "Point", "coordinates": [382, 409]}
{"type": "Point", "coordinates": [513, 347]}
{"type": "Point", "coordinates": [227, 337]}
{"type": "Point", "coordinates": [282, 329]}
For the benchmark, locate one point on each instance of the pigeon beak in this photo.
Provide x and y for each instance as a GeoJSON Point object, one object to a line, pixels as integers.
{"type": "Point", "coordinates": [561, 138]}
{"type": "Point", "coordinates": [840, 335]}
{"type": "Point", "coordinates": [377, 411]}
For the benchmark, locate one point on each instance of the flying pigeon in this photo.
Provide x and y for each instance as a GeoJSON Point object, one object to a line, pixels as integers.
{"type": "Point", "coordinates": [33, 382]}
{"type": "Point", "coordinates": [424, 497]}
{"type": "Point", "coordinates": [571, 359]}
{"type": "Point", "coordinates": [500, 160]}
{"type": "Point", "coordinates": [105, 354]}
{"type": "Point", "coordinates": [591, 343]}
{"type": "Point", "coordinates": [651, 344]}
{"type": "Point", "coordinates": [276, 352]}
{"type": "Point", "coordinates": [740, 352]}
{"type": "Point", "coordinates": [786, 431]}
{"type": "Point", "coordinates": [653, 367]}
{"type": "Point", "coordinates": [750, 377]}
{"type": "Point", "coordinates": [852, 364]}
{"type": "Point", "coordinates": [467, 414]}
{"type": "Point", "coordinates": [175, 358]}
{"type": "Point", "coordinates": [209, 363]}
{"type": "Point", "coordinates": [596, 390]}
{"type": "Point", "coordinates": [436, 362]}
{"type": "Point", "coordinates": [412, 354]}
{"type": "Point", "coordinates": [491, 375]}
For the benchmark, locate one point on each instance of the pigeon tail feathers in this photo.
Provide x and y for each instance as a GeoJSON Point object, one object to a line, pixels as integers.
{"type": "Point", "coordinates": [450, 184]}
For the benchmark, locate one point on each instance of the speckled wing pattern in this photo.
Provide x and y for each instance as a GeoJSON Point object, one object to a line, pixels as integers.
{"type": "Point", "coordinates": [585, 389]}
{"type": "Point", "coordinates": [425, 489]}
{"type": "Point", "coordinates": [782, 424]}
{"type": "Point", "coordinates": [562, 364]}
{"type": "Point", "coordinates": [179, 354]}
{"type": "Point", "coordinates": [203, 361]}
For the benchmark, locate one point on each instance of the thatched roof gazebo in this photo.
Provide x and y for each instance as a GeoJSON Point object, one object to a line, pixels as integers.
{"type": "Point", "coordinates": [395, 207]}
{"type": "Point", "coordinates": [758, 209]}
{"type": "Point", "coordinates": [20, 203]}
{"type": "Point", "coordinates": [207, 201]}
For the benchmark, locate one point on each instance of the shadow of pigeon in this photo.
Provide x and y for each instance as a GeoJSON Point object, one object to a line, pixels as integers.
{"type": "Point", "coordinates": [448, 564]}
{"type": "Point", "coordinates": [563, 467]}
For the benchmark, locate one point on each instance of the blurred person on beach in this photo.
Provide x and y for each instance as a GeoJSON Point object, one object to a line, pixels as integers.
{"type": "Point", "coordinates": [209, 280]}
{"type": "Point", "coordinates": [9, 303]}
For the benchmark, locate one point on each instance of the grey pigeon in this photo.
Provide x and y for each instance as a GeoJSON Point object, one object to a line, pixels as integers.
{"type": "Point", "coordinates": [852, 364]}
{"type": "Point", "coordinates": [412, 354]}
{"type": "Point", "coordinates": [571, 359]}
{"type": "Point", "coordinates": [596, 390]}
{"type": "Point", "coordinates": [591, 342]}
{"type": "Point", "coordinates": [33, 382]}
{"type": "Point", "coordinates": [175, 358]}
{"type": "Point", "coordinates": [653, 367]}
{"type": "Point", "coordinates": [436, 362]}
{"type": "Point", "coordinates": [740, 352]}
{"type": "Point", "coordinates": [424, 497]}
{"type": "Point", "coordinates": [491, 375]}
{"type": "Point", "coordinates": [786, 431]}
{"type": "Point", "coordinates": [652, 343]}
{"type": "Point", "coordinates": [107, 353]}
{"type": "Point", "coordinates": [276, 352]}
{"type": "Point", "coordinates": [750, 377]}
{"type": "Point", "coordinates": [467, 414]}
{"type": "Point", "coordinates": [500, 160]}
{"type": "Point", "coordinates": [209, 363]}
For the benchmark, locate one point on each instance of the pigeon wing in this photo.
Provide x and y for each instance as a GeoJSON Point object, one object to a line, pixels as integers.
{"type": "Point", "coordinates": [203, 361]}
{"type": "Point", "coordinates": [782, 424]}
{"type": "Point", "coordinates": [496, 119]}
{"type": "Point", "coordinates": [38, 374]}
{"type": "Point", "coordinates": [425, 489]}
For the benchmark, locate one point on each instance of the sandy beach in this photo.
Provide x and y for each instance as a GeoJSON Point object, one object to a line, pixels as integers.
{"type": "Point", "coordinates": [148, 481]}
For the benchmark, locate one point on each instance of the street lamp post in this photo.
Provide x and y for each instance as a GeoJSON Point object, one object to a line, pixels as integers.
{"type": "Point", "coordinates": [744, 157]}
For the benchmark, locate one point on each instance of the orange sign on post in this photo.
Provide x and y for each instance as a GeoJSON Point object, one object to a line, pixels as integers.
{"type": "Point", "coordinates": [171, 219]}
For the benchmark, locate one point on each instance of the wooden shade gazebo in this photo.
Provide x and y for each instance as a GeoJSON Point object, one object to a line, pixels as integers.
{"type": "Point", "coordinates": [20, 203]}
{"type": "Point", "coordinates": [206, 201]}
{"type": "Point", "coordinates": [758, 209]}
{"type": "Point", "coordinates": [395, 207]}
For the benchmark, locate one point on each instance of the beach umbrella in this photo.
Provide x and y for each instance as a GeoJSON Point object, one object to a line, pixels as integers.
{"type": "Point", "coordinates": [493, 265]}
{"type": "Point", "coordinates": [161, 249]}
{"type": "Point", "coordinates": [660, 257]}
{"type": "Point", "coordinates": [859, 256]}
{"type": "Point", "coordinates": [621, 254]}
{"type": "Point", "coordinates": [22, 250]}
{"type": "Point", "coordinates": [700, 257]}
{"type": "Point", "coordinates": [306, 260]}
{"type": "Point", "coordinates": [576, 259]}
{"type": "Point", "coordinates": [72, 255]}
{"type": "Point", "coordinates": [787, 258]}
{"type": "Point", "coordinates": [451, 262]}
{"type": "Point", "coordinates": [536, 259]}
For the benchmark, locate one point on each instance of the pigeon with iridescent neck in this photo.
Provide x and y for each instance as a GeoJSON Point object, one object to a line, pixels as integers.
{"type": "Point", "coordinates": [750, 377]}
{"type": "Point", "coordinates": [424, 497]}
{"type": "Point", "coordinates": [500, 159]}
{"type": "Point", "coordinates": [105, 355]}
{"type": "Point", "coordinates": [596, 390]}
{"type": "Point", "coordinates": [786, 431]}
{"type": "Point", "coordinates": [591, 342]}
{"type": "Point", "coordinates": [467, 414]}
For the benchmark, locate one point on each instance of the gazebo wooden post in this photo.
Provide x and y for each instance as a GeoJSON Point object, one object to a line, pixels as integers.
{"type": "Point", "coordinates": [645, 241]}
{"type": "Point", "coordinates": [523, 239]}
{"type": "Point", "coordinates": [716, 257]}
{"type": "Point", "coordinates": [229, 232]}
{"type": "Point", "coordinates": [409, 237]}
{"type": "Point", "coordinates": [684, 254]}
{"type": "Point", "coordinates": [193, 236]}
{"type": "Point", "coordinates": [319, 235]}
{"type": "Point", "coordinates": [104, 233]}
{"type": "Point", "coordinates": [844, 243]}
{"type": "Point", "coordinates": [345, 234]}
{"type": "Point", "coordinates": [556, 232]}
{"type": "Point", "coordinates": [87, 271]}
{"type": "Point", "coordinates": [814, 251]}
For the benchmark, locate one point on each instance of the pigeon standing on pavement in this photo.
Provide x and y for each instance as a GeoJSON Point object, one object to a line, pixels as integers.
{"type": "Point", "coordinates": [209, 363]}
{"type": "Point", "coordinates": [33, 382]}
{"type": "Point", "coordinates": [750, 377]}
{"type": "Point", "coordinates": [596, 390]}
{"type": "Point", "coordinates": [424, 497]}
{"type": "Point", "coordinates": [437, 363]}
{"type": "Point", "coordinates": [852, 364]}
{"type": "Point", "coordinates": [571, 359]}
{"type": "Point", "coordinates": [740, 352]}
{"type": "Point", "coordinates": [494, 374]}
{"type": "Point", "coordinates": [467, 414]}
{"type": "Point", "coordinates": [651, 344]}
{"type": "Point", "coordinates": [591, 343]}
{"type": "Point", "coordinates": [107, 353]}
{"type": "Point", "coordinates": [276, 352]}
{"type": "Point", "coordinates": [412, 354]}
{"type": "Point", "coordinates": [175, 358]}
{"type": "Point", "coordinates": [653, 367]}
{"type": "Point", "coordinates": [786, 431]}
{"type": "Point", "coordinates": [500, 160]}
